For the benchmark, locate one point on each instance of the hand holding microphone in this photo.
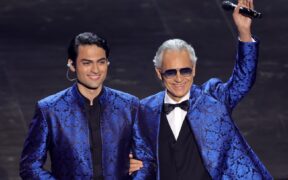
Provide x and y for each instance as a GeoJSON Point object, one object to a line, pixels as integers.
{"type": "Point", "coordinates": [243, 14]}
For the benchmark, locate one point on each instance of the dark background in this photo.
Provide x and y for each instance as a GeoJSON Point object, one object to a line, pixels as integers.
{"type": "Point", "coordinates": [34, 35]}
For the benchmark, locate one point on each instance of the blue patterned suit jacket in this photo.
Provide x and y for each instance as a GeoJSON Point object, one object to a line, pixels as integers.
{"type": "Point", "coordinates": [225, 153]}
{"type": "Point", "coordinates": [61, 128]}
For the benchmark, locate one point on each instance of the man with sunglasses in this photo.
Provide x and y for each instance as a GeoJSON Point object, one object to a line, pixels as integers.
{"type": "Point", "coordinates": [188, 128]}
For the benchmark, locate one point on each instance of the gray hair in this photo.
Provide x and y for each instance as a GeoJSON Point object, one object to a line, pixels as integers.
{"type": "Point", "coordinates": [174, 44]}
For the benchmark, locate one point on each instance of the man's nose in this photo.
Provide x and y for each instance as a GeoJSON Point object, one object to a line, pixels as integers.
{"type": "Point", "coordinates": [95, 68]}
{"type": "Point", "coordinates": [178, 77]}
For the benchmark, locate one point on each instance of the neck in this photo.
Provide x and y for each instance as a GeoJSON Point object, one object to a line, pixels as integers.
{"type": "Point", "coordinates": [177, 99]}
{"type": "Point", "coordinates": [90, 94]}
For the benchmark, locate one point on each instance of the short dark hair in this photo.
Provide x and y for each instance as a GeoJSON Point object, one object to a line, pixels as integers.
{"type": "Point", "coordinates": [86, 38]}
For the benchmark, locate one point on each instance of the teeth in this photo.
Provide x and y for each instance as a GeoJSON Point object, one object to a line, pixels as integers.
{"type": "Point", "coordinates": [179, 84]}
{"type": "Point", "coordinates": [94, 76]}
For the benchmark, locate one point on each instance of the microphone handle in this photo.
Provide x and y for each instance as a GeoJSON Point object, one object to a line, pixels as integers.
{"type": "Point", "coordinates": [229, 6]}
{"type": "Point", "coordinates": [249, 12]}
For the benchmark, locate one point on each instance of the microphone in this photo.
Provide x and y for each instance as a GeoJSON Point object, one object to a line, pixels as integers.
{"type": "Point", "coordinates": [229, 6]}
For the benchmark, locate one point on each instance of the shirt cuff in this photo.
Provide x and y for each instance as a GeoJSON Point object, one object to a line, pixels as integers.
{"type": "Point", "coordinates": [253, 40]}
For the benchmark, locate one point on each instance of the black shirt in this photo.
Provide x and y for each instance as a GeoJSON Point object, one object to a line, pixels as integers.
{"type": "Point", "coordinates": [93, 114]}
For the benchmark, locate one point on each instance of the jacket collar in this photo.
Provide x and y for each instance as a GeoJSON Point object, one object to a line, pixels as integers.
{"type": "Point", "coordinates": [81, 100]}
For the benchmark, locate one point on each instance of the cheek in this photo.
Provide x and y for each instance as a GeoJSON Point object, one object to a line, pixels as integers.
{"type": "Point", "coordinates": [104, 70]}
{"type": "Point", "coordinates": [79, 72]}
{"type": "Point", "coordinates": [189, 84]}
{"type": "Point", "coordinates": [81, 68]}
{"type": "Point", "coordinates": [168, 84]}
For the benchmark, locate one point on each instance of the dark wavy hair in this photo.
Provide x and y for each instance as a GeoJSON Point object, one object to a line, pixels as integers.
{"type": "Point", "coordinates": [86, 38]}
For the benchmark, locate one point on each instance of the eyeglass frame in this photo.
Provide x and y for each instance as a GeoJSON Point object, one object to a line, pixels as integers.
{"type": "Point", "coordinates": [175, 72]}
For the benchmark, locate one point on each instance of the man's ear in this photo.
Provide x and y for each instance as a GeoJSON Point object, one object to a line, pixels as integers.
{"type": "Point", "coordinates": [70, 65]}
{"type": "Point", "coordinates": [158, 72]}
{"type": "Point", "coordinates": [194, 70]}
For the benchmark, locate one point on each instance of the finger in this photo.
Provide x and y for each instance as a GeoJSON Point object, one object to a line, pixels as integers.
{"type": "Point", "coordinates": [135, 161]}
{"type": "Point", "coordinates": [243, 3]}
{"type": "Point", "coordinates": [135, 166]}
{"type": "Point", "coordinates": [246, 3]}
{"type": "Point", "coordinates": [131, 170]}
{"type": "Point", "coordinates": [240, 2]}
{"type": "Point", "coordinates": [251, 4]}
{"type": "Point", "coordinates": [237, 7]}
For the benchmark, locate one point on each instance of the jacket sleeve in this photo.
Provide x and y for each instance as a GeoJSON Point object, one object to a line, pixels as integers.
{"type": "Point", "coordinates": [35, 149]}
{"type": "Point", "coordinates": [242, 79]}
{"type": "Point", "coordinates": [142, 151]}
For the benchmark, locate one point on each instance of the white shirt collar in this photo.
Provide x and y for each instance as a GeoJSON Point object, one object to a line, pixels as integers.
{"type": "Point", "coordinates": [168, 99]}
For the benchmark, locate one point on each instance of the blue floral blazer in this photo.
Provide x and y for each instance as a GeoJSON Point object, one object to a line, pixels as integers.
{"type": "Point", "coordinates": [225, 152]}
{"type": "Point", "coordinates": [61, 128]}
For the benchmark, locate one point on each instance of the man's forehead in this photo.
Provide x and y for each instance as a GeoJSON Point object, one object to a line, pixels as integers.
{"type": "Point", "coordinates": [182, 50]}
{"type": "Point", "coordinates": [91, 52]}
{"type": "Point", "coordinates": [174, 57]}
{"type": "Point", "coordinates": [90, 49]}
{"type": "Point", "coordinates": [84, 46]}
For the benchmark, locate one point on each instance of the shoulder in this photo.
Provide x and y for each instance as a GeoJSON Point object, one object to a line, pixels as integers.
{"type": "Point", "coordinates": [211, 85]}
{"type": "Point", "coordinates": [54, 99]}
{"type": "Point", "coordinates": [153, 100]}
{"type": "Point", "coordinates": [207, 89]}
{"type": "Point", "coordinates": [119, 95]}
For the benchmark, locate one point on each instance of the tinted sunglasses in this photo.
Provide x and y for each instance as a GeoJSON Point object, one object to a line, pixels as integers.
{"type": "Point", "coordinates": [171, 73]}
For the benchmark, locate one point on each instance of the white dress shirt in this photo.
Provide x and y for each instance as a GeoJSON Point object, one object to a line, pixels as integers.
{"type": "Point", "coordinates": [177, 116]}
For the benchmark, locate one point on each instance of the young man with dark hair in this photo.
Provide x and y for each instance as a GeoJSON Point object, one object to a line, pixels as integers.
{"type": "Point", "coordinates": [87, 128]}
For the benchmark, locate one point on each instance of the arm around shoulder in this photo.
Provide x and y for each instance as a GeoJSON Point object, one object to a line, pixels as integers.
{"type": "Point", "coordinates": [142, 150]}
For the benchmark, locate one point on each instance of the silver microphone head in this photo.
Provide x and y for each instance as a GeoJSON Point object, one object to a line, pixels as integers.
{"type": "Point", "coordinates": [227, 5]}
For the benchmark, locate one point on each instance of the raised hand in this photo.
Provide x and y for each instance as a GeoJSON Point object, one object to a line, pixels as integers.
{"type": "Point", "coordinates": [243, 23]}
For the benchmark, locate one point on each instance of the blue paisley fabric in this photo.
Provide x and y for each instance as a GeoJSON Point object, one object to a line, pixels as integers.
{"type": "Point", "coordinates": [225, 152]}
{"type": "Point", "coordinates": [60, 127]}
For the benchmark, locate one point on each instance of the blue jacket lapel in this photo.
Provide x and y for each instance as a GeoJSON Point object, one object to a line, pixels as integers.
{"type": "Point", "coordinates": [198, 124]}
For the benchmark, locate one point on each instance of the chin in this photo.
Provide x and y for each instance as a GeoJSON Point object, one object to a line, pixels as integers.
{"type": "Point", "coordinates": [177, 95]}
{"type": "Point", "coordinates": [94, 87]}
{"type": "Point", "coordinates": [180, 94]}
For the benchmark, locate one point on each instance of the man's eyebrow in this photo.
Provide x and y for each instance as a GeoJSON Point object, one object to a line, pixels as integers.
{"type": "Point", "coordinates": [86, 60]}
{"type": "Point", "coordinates": [103, 58]}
